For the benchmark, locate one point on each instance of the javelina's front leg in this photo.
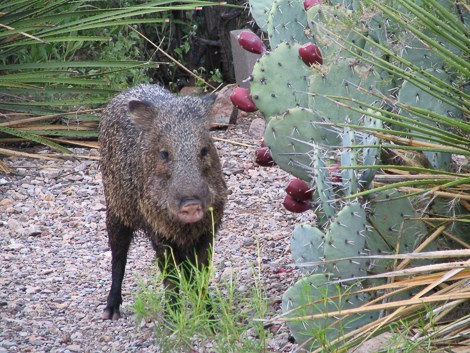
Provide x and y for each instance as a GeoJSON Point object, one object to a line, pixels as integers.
{"type": "Point", "coordinates": [174, 262]}
{"type": "Point", "coordinates": [120, 238]}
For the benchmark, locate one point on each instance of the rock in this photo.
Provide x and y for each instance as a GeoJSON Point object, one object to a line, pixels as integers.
{"type": "Point", "coordinates": [32, 290]}
{"type": "Point", "coordinates": [35, 340]}
{"type": "Point", "coordinates": [50, 173]}
{"type": "Point", "coordinates": [74, 348]}
{"type": "Point", "coordinates": [6, 202]}
{"type": "Point", "coordinates": [33, 230]}
{"type": "Point", "coordinates": [228, 273]}
{"type": "Point", "coordinates": [98, 207]}
{"type": "Point", "coordinates": [188, 90]}
{"type": "Point", "coordinates": [8, 343]}
{"type": "Point", "coordinates": [375, 344]}
{"type": "Point", "coordinates": [223, 111]}
{"type": "Point", "coordinates": [15, 246]}
{"type": "Point", "coordinates": [257, 127]}
{"type": "Point", "coordinates": [65, 338]}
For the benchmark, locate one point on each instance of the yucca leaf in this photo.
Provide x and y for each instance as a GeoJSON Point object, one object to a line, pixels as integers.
{"type": "Point", "coordinates": [61, 103]}
{"type": "Point", "coordinates": [67, 133]}
{"type": "Point", "coordinates": [56, 88]}
{"type": "Point", "coordinates": [73, 64]}
{"type": "Point", "coordinates": [398, 120]}
{"type": "Point", "coordinates": [33, 137]}
{"type": "Point", "coordinates": [459, 63]}
{"type": "Point", "coordinates": [455, 36]}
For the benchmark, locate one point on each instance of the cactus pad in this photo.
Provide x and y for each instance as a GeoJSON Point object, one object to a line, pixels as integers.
{"type": "Point", "coordinates": [280, 81]}
{"type": "Point", "coordinates": [290, 136]}
{"type": "Point", "coordinates": [345, 78]}
{"type": "Point", "coordinates": [346, 237]}
{"type": "Point", "coordinates": [259, 10]}
{"type": "Point", "coordinates": [370, 155]}
{"type": "Point", "coordinates": [323, 183]}
{"type": "Point", "coordinates": [413, 96]}
{"type": "Point", "coordinates": [311, 296]}
{"type": "Point", "coordinates": [307, 246]}
{"type": "Point", "coordinates": [452, 208]}
{"type": "Point", "coordinates": [325, 20]}
{"type": "Point", "coordinates": [287, 22]}
{"type": "Point", "coordinates": [349, 157]}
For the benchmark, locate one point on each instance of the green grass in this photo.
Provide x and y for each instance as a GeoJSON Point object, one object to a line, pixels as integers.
{"type": "Point", "coordinates": [228, 327]}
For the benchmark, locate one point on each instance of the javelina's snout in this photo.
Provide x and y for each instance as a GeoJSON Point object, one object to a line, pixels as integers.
{"type": "Point", "coordinates": [191, 210]}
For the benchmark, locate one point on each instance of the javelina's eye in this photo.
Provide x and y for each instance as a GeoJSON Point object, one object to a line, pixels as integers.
{"type": "Point", "coordinates": [165, 155]}
{"type": "Point", "coordinates": [204, 152]}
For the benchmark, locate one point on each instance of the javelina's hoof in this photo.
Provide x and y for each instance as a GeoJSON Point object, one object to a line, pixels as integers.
{"type": "Point", "coordinates": [111, 314]}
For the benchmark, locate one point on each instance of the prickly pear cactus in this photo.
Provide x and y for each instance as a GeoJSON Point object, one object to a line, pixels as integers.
{"type": "Point", "coordinates": [310, 296]}
{"type": "Point", "coordinates": [355, 161]}
{"type": "Point", "coordinates": [322, 124]}
{"type": "Point", "coordinates": [287, 23]}
{"type": "Point", "coordinates": [349, 4]}
{"type": "Point", "coordinates": [307, 245]}
{"type": "Point", "coordinates": [416, 97]}
{"type": "Point", "coordinates": [345, 77]}
{"type": "Point", "coordinates": [280, 81]}
{"type": "Point", "coordinates": [388, 226]}
{"type": "Point", "coordinates": [260, 9]}
{"type": "Point", "coordinates": [458, 227]}
{"type": "Point", "coordinates": [289, 137]}
{"type": "Point", "coordinates": [394, 229]}
{"type": "Point", "coordinates": [391, 216]}
{"type": "Point", "coordinates": [324, 186]}
{"type": "Point", "coordinates": [331, 34]}
{"type": "Point", "coordinates": [349, 157]}
{"type": "Point", "coordinates": [345, 237]}
{"type": "Point", "coordinates": [371, 154]}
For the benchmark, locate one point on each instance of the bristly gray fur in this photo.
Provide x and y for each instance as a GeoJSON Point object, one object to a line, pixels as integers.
{"type": "Point", "coordinates": [156, 152]}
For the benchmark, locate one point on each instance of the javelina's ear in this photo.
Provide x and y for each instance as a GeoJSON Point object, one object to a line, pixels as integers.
{"type": "Point", "coordinates": [142, 113]}
{"type": "Point", "coordinates": [208, 101]}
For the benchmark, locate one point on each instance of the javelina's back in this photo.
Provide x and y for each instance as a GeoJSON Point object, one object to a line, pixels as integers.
{"type": "Point", "coordinates": [161, 174]}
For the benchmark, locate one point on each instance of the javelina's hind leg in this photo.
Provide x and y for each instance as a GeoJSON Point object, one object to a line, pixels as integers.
{"type": "Point", "coordinates": [120, 238]}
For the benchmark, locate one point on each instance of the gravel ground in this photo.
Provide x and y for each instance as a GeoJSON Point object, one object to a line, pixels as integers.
{"type": "Point", "coordinates": [55, 261]}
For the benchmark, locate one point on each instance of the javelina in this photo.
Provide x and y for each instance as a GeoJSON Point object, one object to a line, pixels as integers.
{"type": "Point", "coordinates": [161, 174]}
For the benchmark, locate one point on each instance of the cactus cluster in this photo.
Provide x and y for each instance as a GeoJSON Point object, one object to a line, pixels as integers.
{"type": "Point", "coordinates": [338, 250]}
{"type": "Point", "coordinates": [281, 81]}
{"type": "Point", "coordinates": [309, 296]}
{"type": "Point", "coordinates": [321, 96]}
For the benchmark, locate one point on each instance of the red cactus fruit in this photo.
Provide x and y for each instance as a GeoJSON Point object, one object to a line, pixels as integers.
{"type": "Point", "coordinates": [251, 42]}
{"type": "Point", "coordinates": [263, 157]}
{"type": "Point", "coordinates": [293, 205]}
{"type": "Point", "coordinates": [241, 98]}
{"type": "Point", "coordinates": [310, 54]}
{"type": "Point", "coordinates": [299, 190]}
{"type": "Point", "coordinates": [309, 3]}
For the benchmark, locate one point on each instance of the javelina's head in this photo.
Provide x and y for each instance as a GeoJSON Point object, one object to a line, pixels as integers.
{"type": "Point", "coordinates": [180, 167]}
